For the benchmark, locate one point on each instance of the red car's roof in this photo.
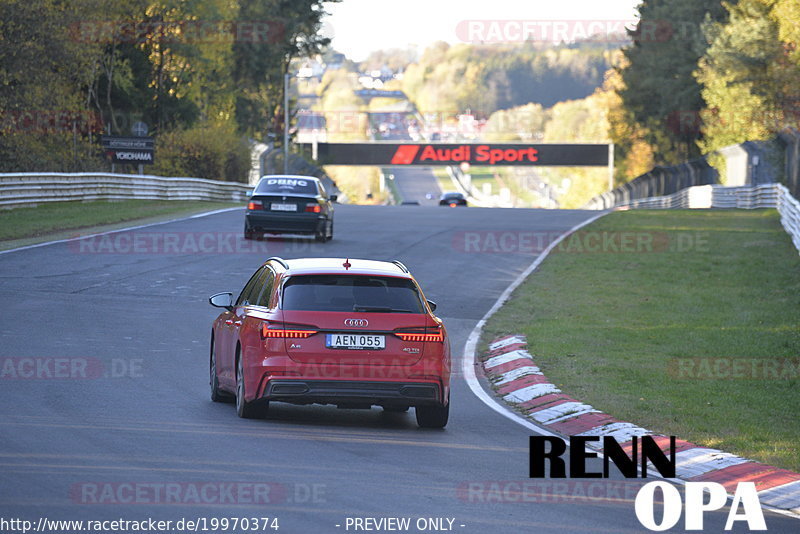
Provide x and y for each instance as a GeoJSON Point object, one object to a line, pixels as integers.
{"type": "Point", "coordinates": [336, 266]}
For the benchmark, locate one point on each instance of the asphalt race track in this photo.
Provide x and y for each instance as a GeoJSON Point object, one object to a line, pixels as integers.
{"type": "Point", "coordinates": [416, 185]}
{"type": "Point", "coordinates": [125, 330]}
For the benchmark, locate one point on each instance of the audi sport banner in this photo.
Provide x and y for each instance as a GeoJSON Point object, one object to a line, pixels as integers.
{"type": "Point", "coordinates": [482, 154]}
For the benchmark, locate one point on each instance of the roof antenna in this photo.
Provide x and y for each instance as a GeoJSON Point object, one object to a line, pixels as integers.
{"type": "Point", "coordinates": [346, 264]}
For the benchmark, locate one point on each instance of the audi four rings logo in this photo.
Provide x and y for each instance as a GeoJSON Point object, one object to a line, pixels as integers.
{"type": "Point", "coordinates": [356, 322]}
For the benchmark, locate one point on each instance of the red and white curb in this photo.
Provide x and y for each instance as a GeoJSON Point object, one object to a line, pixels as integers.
{"type": "Point", "coordinates": [514, 376]}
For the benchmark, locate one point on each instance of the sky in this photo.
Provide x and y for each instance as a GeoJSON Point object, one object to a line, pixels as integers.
{"type": "Point", "coordinates": [361, 26]}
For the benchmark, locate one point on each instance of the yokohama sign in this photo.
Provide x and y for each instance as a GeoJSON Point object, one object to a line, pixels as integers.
{"type": "Point", "coordinates": [481, 154]}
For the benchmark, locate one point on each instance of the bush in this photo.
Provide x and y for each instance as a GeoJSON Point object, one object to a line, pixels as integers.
{"type": "Point", "coordinates": [48, 152]}
{"type": "Point", "coordinates": [213, 151]}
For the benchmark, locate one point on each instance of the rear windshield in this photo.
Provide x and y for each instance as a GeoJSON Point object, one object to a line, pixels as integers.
{"type": "Point", "coordinates": [344, 293]}
{"type": "Point", "coordinates": [287, 185]}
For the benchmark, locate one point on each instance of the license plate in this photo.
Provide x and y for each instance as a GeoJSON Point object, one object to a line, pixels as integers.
{"type": "Point", "coordinates": [284, 207]}
{"type": "Point", "coordinates": [355, 341]}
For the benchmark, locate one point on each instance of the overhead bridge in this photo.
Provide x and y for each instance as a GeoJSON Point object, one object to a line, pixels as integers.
{"type": "Point", "coordinates": [449, 154]}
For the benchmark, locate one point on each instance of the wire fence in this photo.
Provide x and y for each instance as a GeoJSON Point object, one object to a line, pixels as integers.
{"type": "Point", "coordinates": [775, 160]}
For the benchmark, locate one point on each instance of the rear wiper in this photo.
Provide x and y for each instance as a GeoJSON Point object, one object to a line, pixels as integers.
{"type": "Point", "coordinates": [378, 309]}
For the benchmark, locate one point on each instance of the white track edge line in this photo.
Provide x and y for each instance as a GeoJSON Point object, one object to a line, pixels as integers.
{"type": "Point", "coordinates": [468, 360]}
{"type": "Point", "coordinates": [127, 228]}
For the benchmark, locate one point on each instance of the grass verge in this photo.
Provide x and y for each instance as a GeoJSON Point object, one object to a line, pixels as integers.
{"type": "Point", "coordinates": [692, 330]}
{"type": "Point", "coordinates": [54, 220]}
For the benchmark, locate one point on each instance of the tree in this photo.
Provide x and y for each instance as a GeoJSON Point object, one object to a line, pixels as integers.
{"type": "Point", "coordinates": [43, 69]}
{"type": "Point", "coordinates": [658, 84]}
{"type": "Point", "coordinates": [750, 73]}
{"type": "Point", "coordinates": [487, 78]}
{"type": "Point", "coordinates": [292, 31]}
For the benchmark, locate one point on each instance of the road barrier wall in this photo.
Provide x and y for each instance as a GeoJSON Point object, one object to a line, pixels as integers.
{"type": "Point", "coordinates": [26, 189]}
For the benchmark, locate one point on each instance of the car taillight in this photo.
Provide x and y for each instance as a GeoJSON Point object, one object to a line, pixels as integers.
{"type": "Point", "coordinates": [437, 336]}
{"type": "Point", "coordinates": [293, 333]}
{"type": "Point", "coordinates": [313, 208]}
{"type": "Point", "coordinates": [255, 205]}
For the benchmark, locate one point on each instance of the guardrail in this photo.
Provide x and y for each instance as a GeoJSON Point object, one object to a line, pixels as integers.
{"type": "Point", "coordinates": [20, 189]}
{"type": "Point", "coordinates": [717, 196]}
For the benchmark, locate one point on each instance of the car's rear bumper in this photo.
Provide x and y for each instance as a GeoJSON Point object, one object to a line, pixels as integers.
{"type": "Point", "coordinates": [353, 392]}
{"type": "Point", "coordinates": [300, 223]}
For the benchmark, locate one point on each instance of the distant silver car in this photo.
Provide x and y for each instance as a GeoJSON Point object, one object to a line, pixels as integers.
{"type": "Point", "coordinates": [289, 204]}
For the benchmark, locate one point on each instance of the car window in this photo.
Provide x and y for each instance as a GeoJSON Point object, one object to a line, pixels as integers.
{"type": "Point", "coordinates": [266, 291]}
{"type": "Point", "coordinates": [283, 186]}
{"type": "Point", "coordinates": [244, 296]}
{"type": "Point", "coordinates": [347, 293]}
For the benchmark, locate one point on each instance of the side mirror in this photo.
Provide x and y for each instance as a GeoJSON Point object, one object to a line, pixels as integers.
{"type": "Point", "coordinates": [334, 197]}
{"type": "Point", "coordinates": [432, 305]}
{"type": "Point", "coordinates": [222, 300]}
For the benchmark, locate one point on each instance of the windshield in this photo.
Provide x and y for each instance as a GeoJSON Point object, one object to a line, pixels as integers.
{"type": "Point", "coordinates": [348, 293]}
{"type": "Point", "coordinates": [287, 186]}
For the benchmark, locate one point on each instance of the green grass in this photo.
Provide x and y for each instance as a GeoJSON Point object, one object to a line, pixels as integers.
{"type": "Point", "coordinates": [614, 329]}
{"type": "Point", "coordinates": [445, 182]}
{"type": "Point", "coordinates": [485, 175]}
{"type": "Point", "coordinates": [55, 217]}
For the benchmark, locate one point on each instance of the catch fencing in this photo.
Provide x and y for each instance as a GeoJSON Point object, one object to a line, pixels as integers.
{"type": "Point", "coordinates": [658, 182]}
{"type": "Point", "coordinates": [26, 189]}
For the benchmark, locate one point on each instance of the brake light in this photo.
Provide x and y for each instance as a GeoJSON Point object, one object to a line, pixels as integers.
{"type": "Point", "coordinates": [290, 333]}
{"type": "Point", "coordinates": [313, 208]}
{"type": "Point", "coordinates": [255, 205]}
{"type": "Point", "coordinates": [414, 336]}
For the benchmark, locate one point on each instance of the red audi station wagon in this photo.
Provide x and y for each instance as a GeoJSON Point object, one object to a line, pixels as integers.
{"type": "Point", "coordinates": [353, 333]}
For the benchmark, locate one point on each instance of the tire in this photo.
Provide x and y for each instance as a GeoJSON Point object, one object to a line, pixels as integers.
{"type": "Point", "coordinates": [217, 395]}
{"type": "Point", "coordinates": [433, 416]}
{"type": "Point", "coordinates": [322, 236]}
{"type": "Point", "coordinates": [244, 409]}
{"type": "Point", "coordinates": [248, 232]}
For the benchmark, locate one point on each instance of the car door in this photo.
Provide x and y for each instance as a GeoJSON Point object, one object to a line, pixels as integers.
{"type": "Point", "coordinates": [228, 333]}
{"type": "Point", "coordinates": [262, 309]}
